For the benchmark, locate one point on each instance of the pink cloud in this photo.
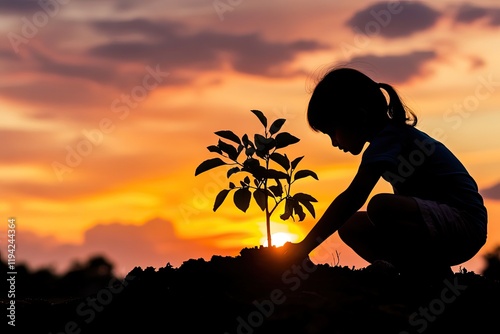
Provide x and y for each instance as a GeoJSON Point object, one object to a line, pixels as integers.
{"type": "Point", "coordinates": [155, 243]}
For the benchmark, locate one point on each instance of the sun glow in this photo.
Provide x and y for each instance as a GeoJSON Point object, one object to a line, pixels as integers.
{"type": "Point", "coordinates": [280, 238]}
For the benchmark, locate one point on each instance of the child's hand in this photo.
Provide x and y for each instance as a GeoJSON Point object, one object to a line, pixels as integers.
{"type": "Point", "coordinates": [294, 253]}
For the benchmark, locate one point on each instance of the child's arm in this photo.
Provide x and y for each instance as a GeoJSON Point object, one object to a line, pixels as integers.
{"type": "Point", "coordinates": [344, 206]}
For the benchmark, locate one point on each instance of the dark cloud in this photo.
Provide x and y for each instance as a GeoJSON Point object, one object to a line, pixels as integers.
{"type": "Point", "coordinates": [492, 192]}
{"type": "Point", "coordinates": [396, 69]}
{"type": "Point", "coordinates": [154, 243]}
{"type": "Point", "coordinates": [19, 6]}
{"type": "Point", "coordinates": [394, 19]}
{"type": "Point", "coordinates": [168, 44]}
{"type": "Point", "coordinates": [468, 13]}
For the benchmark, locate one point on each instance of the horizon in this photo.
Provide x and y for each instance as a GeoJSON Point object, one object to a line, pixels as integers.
{"type": "Point", "coordinates": [108, 108]}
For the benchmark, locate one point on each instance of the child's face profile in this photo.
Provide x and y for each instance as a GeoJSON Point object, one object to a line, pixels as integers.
{"type": "Point", "coordinates": [347, 138]}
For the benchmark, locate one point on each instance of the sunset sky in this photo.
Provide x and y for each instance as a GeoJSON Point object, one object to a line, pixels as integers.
{"type": "Point", "coordinates": [107, 108]}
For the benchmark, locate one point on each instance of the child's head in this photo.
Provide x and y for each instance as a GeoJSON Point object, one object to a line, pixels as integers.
{"type": "Point", "coordinates": [347, 97]}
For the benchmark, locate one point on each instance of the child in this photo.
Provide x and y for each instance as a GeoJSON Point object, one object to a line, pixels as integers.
{"type": "Point", "coordinates": [435, 219]}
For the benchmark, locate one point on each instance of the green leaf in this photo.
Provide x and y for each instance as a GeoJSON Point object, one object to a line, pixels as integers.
{"type": "Point", "coordinates": [276, 126]}
{"type": "Point", "coordinates": [261, 117]}
{"type": "Point", "coordinates": [304, 173]}
{"type": "Point", "coordinates": [221, 196]}
{"type": "Point", "coordinates": [282, 160]}
{"type": "Point", "coordinates": [213, 148]}
{"type": "Point", "coordinates": [209, 164]}
{"type": "Point", "coordinates": [296, 161]}
{"type": "Point", "coordinates": [242, 198]}
{"type": "Point", "coordinates": [233, 170]}
{"type": "Point", "coordinates": [229, 149]}
{"type": "Point", "coordinates": [284, 139]}
{"type": "Point", "coordinates": [261, 198]}
{"type": "Point", "coordinates": [228, 134]}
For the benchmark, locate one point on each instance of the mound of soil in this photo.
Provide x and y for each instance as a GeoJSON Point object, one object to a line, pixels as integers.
{"type": "Point", "coordinates": [255, 292]}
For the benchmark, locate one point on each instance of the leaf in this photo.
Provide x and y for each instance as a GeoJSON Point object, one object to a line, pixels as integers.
{"type": "Point", "coordinates": [277, 189]}
{"type": "Point", "coordinates": [288, 209]}
{"type": "Point", "coordinates": [276, 126]}
{"type": "Point", "coordinates": [247, 142]}
{"type": "Point", "coordinates": [209, 164]}
{"type": "Point", "coordinates": [306, 200]}
{"type": "Point", "coordinates": [298, 210]}
{"type": "Point", "coordinates": [264, 144]}
{"type": "Point", "coordinates": [275, 174]}
{"type": "Point", "coordinates": [261, 117]}
{"type": "Point", "coordinates": [282, 160]}
{"type": "Point", "coordinates": [249, 151]}
{"type": "Point", "coordinates": [242, 198]}
{"type": "Point", "coordinates": [233, 170]}
{"type": "Point", "coordinates": [213, 148]}
{"type": "Point", "coordinates": [221, 196]}
{"type": "Point", "coordinates": [246, 180]}
{"type": "Point", "coordinates": [229, 149]}
{"type": "Point", "coordinates": [260, 197]}
{"type": "Point", "coordinates": [250, 164]}
{"type": "Point", "coordinates": [304, 173]}
{"type": "Point", "coordinates": [284, 139]}
{"type": "Point", "coordinates": [296, 161]}
{"type": "Point", "coordinates": [232, 185]}
{"type": "Point", "coordinates": [228, 134]}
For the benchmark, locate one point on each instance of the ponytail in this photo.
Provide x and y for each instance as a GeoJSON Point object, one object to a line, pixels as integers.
{"type": "Point", "coordinates": [397, 111]}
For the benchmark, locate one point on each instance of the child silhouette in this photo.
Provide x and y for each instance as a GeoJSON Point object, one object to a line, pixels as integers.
{"type": "Point", "coordinates": [434, 219]}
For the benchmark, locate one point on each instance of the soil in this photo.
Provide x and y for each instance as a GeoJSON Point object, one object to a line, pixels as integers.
{"type": "Point", "coordinates": [255, 292]}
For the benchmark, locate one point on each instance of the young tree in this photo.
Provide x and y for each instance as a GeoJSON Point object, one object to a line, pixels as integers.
{"type": "Point", "coordinates": [262, 182]}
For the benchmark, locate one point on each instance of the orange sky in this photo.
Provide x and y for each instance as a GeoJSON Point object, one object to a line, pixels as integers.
{"type": "Point", "coordinates": [107, 109]}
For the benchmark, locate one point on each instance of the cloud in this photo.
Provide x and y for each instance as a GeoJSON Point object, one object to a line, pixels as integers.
{"type": "Point", "coordinates": [468, 13]}
{"type": "Point", "coordinates": [155, 243]}
{"type": "Point", "coordinates": [394, 20]}
{"type": "Point", "coordinates": [396, 69]}
{"type": "Point", "coordinates": [167, 43]}
{"type": "Point", "coordinates": [492, 192]}
{"type": "Point", "coordinates": [19, 6]}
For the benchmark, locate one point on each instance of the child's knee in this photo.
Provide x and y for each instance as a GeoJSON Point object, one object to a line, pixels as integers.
{"type": "Point", "coordinates": [377, 207]}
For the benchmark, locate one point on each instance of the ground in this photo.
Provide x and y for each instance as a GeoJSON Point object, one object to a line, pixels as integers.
{"type": "Point", "coordinates": [254, 292]}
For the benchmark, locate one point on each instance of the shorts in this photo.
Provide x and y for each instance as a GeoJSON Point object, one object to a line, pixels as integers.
{"type": "Point", "coordinates": [454, 236]}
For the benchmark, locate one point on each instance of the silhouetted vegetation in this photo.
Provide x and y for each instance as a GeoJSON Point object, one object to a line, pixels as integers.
{"type": "Point", "coordinates": [492, 269]}
{"type": "Point", "coordinates": [264, 184]}
{"type": "Point", "coordinates": [81, 280]}
{"type": "Point", "coordinates": [254, 292]}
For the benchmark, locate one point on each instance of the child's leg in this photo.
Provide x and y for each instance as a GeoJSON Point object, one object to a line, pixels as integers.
{"type": "Point", "coordinates": [392, 229]}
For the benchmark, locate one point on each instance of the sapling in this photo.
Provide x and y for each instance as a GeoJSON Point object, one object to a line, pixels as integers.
{"type": "Point", "coordinates": [252, 159]}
